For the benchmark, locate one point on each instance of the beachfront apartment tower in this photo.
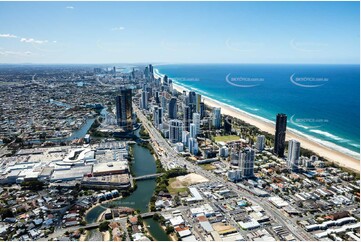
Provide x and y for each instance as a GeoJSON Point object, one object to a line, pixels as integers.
{"type": "Point", "coordinates": [124, 109]}
{"type": "Point", "coordinates": [294, 148]}
{"type": "Point", "coordinates": [246, 164]}
{"type": "Point", "coordinates": [198, 102]}
{"type": "Point", "coordinates": [280, 135]}
{"type": "Point", "coordinates": [227, 121]}
{"type": "Point", "coordinates": [187, 117]}
{"type": "Point", "coordinates": [261, 140]}
{"type": "Point", "coordinates": [216, 118]}
{"type": "Point", "coordinates": [192, 96]}
{"type": "Point", "coordinates": [175, 130]}
{"type": "Point", "coordinates": [202, 110]}
{"type": "Point", "coordinates": [197, 121]}
{"type": "Point", "coordinates": [172, 108]}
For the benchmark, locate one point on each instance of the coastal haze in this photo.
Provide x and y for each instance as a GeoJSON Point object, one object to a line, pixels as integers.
{"type": "Point", "coordinates": [182, 121]}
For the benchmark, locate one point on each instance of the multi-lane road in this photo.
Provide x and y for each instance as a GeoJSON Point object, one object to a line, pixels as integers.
{"type": "Point", "coordinates": [172, 156]}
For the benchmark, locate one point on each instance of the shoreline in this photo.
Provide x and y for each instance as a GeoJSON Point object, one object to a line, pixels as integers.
{"type": "Point", "coordinates": [328, 153]}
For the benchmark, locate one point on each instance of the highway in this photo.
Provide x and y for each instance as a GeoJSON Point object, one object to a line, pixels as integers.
{"type": "Point", "coordinates": [172, 156]}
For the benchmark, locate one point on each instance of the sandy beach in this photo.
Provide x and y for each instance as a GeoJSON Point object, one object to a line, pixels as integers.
{"type": "Point", "coordinates": [330, 154]}
{"type": "Point", "coordinates": [326, 152]}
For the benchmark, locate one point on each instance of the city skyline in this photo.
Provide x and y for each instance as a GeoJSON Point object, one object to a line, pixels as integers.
{"type": "Point", "coordinates": [194, 32]}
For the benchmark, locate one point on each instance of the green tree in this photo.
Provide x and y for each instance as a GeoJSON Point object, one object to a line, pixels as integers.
{"type": "Point", "coordinates": [104, 226]}
{"type": "Point", "coordinates": [169, 229]}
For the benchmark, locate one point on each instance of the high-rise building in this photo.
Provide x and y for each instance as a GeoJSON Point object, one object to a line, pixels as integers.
{"type": "Point", "coordinates": [144, 100]}
{"type": "Point", "coordinates": [172, 108]}
{"type": "Point", "coordinates": [192, 97]}
{"type": "Point", "coordinates": [192, 130]}
{"type": "Point", "coordinates": [175, 130]}
{"type": "Point", "coordinates": [165, 80]}
{"type": "Point", "coordinates": [186, 117]}
{"type": "Point", "coordinates": [164, 103]}
{"type": "Point", "coordinates": [193, 146]}
{"type": "Point", "coordinates": [294, 148]}
{"type": "Point", "coordinates": [157, 117]}
{"type": "Point", "coordinates": [227, 124]}
{"type": "Point", "coordinates": [198, 102]}
{"type": "Point", "coordinates": [197, 122]}
{"type": "Point", "coordinates": [246, 164]}
{"type": "Point", "coordinates": [124, 109]}
{"type": "Point", "coordinates": [216, 118]}
{"type": "Point", "coordinates": [151, 68]}
{"type": "Point", "coordinates": [280, 135]}
{"type": "Point", "coordinates": [133, 74]}
{"type": "Point", "coordinates": [261, 140]}
{"type": "Point", "coordinates": [157, 99]}
{"type": "Point", "coordinates": [150, 92]}
{"type": "Point", "coordinates": [185, 137]}
{"type": "Point", "coordinates": [146, 72]}
{"type": "Point", "coordinates": [202, 111]}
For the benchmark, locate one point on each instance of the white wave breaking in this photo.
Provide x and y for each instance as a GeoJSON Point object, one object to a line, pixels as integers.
{"type": "Point", "coordinates": [324, 143]}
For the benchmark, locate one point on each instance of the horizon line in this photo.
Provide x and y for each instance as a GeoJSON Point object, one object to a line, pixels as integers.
{"type": "Point", "coordinates": [178, 63]}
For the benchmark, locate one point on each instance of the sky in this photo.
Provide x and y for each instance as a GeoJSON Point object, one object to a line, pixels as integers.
{"type": "Point", "coordinates": [180, 32]}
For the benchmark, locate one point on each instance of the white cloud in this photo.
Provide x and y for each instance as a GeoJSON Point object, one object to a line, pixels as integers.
{"type": "Point", "coordinates": [117, 28]}
{"type": "Point", "coordinates": [54, 41]}
{"type": "Point", "coordinates": [7, 36]}
{"type": "Point", "coordinates": [69, 7]}
{"type": "Point", "coordinates": [14, 53]}
{"type": "Point", "coordinates": [31, 40]}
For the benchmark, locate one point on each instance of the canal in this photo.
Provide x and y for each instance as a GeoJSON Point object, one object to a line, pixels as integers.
{"type": "Point", "coordinates": [143, 164]}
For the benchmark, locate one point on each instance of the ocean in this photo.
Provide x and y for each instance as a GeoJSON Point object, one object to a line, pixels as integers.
{"type": "Point", "coordinates": [322, 102]}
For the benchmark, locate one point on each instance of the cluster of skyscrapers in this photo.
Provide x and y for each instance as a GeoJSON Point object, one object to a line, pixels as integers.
{"type": "Point", "coordinates": [179, 118]}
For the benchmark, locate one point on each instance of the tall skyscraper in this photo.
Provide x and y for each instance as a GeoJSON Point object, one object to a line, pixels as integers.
{"type": "Point", "coordinates": [151, 69]}
{"type": "Point", "coordinates": [192, 97]}
{"type": "Point", "coordinates": [124, 109]}
{"type": "Point", "coordinates": [165, 80]}
{"type": "Point", "coordinates": [144, 100]}
{"type": "Point", "coordinates": [157, 117]}
{"type": "Point", "coordinates": [227, 124]}
{"type": "Point", "coordinates": [185, 137]}
{"type": "Point", "coordinates": [146, 72]}
{"type": "Point", "coordinates": [216, 119]}
{"type": "Point", "coordinates": [198, 102]}
{"type": "Point", "coordinates": [202, 111]}
{"type": "Point", "coordinates": [280, 135]}
{"type": "Point", "coordinates": [164, 101]}
{"type": "Point", "coordinates": [261, 140]}
{"type": "Point", "coordinates": [175, 130]}
{"type": "Point", "coordinates": [186, 117]}
{"type": "Point", "coordinates": [197, 122]}
{"type": "Point", "coordinates": [192, 130]}
{"type": "Point", "coordinates": [172, 108]}
{"type": "Point", "coordinates": [157, 99]}
{"type": "Point", "coordinates": [294, 148]}
{"type": "Point", "coordinates": [246, 164]}
{"type": "Point", "coordinates": [150, 92]}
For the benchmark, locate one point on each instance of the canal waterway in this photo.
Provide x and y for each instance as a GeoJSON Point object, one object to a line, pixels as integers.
{"type": "Point", "coordinates": [143, 164]}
